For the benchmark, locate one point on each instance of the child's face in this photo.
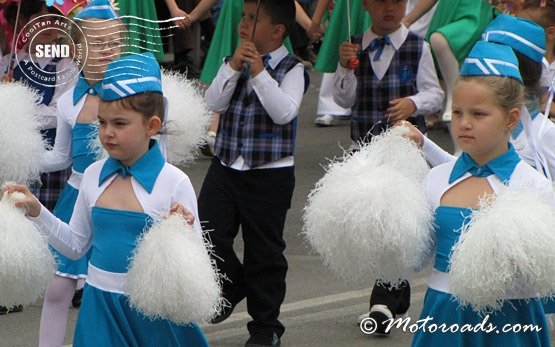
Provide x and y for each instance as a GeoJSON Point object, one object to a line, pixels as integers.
{"type": "Point", "coordinates": [265, 31]}
{"type": "Point", "coordinates": [104, 45]}
{"type": "Point", "coordinates": [479, 125]}
{"type": "Point", "coordinates": [386, 15]}
{"type": "Point", "coordinates": [125, 133]}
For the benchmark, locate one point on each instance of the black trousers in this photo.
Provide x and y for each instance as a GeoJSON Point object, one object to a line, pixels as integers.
{"type": "Point", "coordinates": [257, 201]}
{"type": "Point", "coordinates": [396, 300]}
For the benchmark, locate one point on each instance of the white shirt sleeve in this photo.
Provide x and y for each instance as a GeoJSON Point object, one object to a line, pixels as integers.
{"type": "Point", "coordinates": [429, 98]}
{"type": "Point", "coordinates": [59, 157]}
{"type": "Point", "coordinates": [344, 87]}
{"type": "Point", "coordinates": [434, 154]}
{"type": "Point", "coordinates": [281, 101]}
{"type": "Point", "coordinates": [48, 113]}
{"type": "Point", "coordinates": [218, 95]}
{"type": "Point", "coordinates": [73, 240]}
{"type": "Point", "coordinates": [185, 195]}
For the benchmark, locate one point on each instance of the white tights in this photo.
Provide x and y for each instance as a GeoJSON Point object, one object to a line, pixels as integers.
{"type": "Point", "coordinates": [449, 67]}
{"type": "Point", "coordinates": [55, 311]}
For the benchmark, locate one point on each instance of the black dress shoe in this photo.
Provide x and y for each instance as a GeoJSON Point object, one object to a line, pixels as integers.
{"type": "Point", "coordinates": [223, 315]}
{"type": "Point", "coordinates": [77, 297]}
{"type": "Point", "coordinates": [263, 339]}
{"type": "Point", "coordinates": [16, 308]}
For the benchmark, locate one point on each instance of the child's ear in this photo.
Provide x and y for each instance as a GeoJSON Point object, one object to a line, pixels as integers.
{"type": "Point", "coordinates": [550, 33]}
{"type": "Point", "coordinates": [512, 120]}
{"type": "Point", "coordinates": [154, 125]}
{"type": "Point", "coordinates": [279, 32]}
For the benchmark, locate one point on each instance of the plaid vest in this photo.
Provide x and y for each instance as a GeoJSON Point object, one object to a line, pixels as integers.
{"type": "Point", "coordinates": [373, 95]}
{"type": "Point", "coordinates": [246, 129]}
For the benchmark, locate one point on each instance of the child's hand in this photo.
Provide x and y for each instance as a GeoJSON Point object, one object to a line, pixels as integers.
{"type": "Point", "coordinates": [414, 134]}
{"type": "Point", "coordinates": [181, 23]}
{"type": "Point", "coordinates": [314, 31]}
{"type": "Point", "coordinates": [29, 203]}
{"type": "Point", "coordinates": [347, 52]}
{"type": "Point", "coordinates": [244, 53]}
{"type": "Point", "coordinates": [400, 109]}
{"type": "Point", "coordinates": [8, 77]}
{"type": "Point", "coordinates": [179, 209]}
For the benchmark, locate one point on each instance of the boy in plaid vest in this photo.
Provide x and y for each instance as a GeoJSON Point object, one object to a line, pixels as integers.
{"type": "Point", "coordinates": [257, 93]}
{"type": "Point", "coordinates": [394, 80]}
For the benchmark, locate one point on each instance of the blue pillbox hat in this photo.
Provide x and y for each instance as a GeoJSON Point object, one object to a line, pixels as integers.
{"type": "Point", "coordinates": [130, 75]}
{"type": "Point", "coordinates": [520, 34]}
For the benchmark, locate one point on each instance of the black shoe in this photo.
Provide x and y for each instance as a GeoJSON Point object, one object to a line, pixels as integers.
{"type": "Point", "coordinates": [261, 339]}
{"type": "Point", "coordinates": [5, 310]}
{"type": "Point", "coordinates": [185, 65]}
{"type": "Point", "coordinates": [224, 314]}
{"type": "Point", "coordinates": [76, 301]}
{"type": "Point", "coordinates": [382, 316]}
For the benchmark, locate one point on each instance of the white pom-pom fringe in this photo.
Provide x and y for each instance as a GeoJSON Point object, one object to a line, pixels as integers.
{"type": "Point", "coordinates": [95, 146]}
{"type": "Point", "coordinates": [20, 140]}
{"type": "Point", "coordinates": [172, 276]}
{"type": "Point", "coordinates": [188, 118]}
{"type": "Point", "coordinates": [27, 263]}
{"type": "Point", "coordinates": [506, 251]}
{"type": "Point", "coordinates": [393, 148]}
{"type": "Point", "coordinates": [370, 223]}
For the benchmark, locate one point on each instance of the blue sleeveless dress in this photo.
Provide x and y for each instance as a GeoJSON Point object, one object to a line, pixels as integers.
{"type": "Point", "coordinates": [105, 318]}
{"type": "Point", "coordinates": [81, 159]}
{"type": "Point", "coordinates": [444, 309]}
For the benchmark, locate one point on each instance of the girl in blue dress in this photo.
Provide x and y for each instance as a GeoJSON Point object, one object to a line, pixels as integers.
{"type": "Point", "coordinates": [76, 111]}
{"type": "Point", "coordinates": [119, 198]}
{"type": "Point", "coordinates": [486, 103]}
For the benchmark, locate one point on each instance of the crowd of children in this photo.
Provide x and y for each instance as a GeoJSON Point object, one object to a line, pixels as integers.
{"type": "Point", "coordinates": [382, 62]}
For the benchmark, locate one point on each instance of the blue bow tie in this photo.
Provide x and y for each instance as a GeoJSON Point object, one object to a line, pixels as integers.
{"type": "Point", "coordinates": [378, 44]}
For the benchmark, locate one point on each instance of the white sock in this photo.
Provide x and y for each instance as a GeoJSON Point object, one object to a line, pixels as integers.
{"type": "Point", "coordinates": [55, 311]}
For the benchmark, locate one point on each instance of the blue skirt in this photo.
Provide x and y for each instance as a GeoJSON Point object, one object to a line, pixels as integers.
{"type": "Point", "coordinates": [105, 319]}
{"type": "Point", "coordinates": [63, 210]}
{"type": "Point", "coordinates": [444, 309]}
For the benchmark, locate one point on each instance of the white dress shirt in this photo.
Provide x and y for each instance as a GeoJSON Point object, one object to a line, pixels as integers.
{"type": "Point", "coordinates": [281, 101]}
{"type": "Point", "coordinates": [429, 98]}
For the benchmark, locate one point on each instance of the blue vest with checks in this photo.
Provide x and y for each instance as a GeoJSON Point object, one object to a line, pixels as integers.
{"type": "Point", "coordinates": [246, 129]}
{"type": "Point", "coordinates": [373, 95]}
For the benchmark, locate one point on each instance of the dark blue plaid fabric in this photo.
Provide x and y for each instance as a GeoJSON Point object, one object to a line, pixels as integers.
{"type": "Point", "coordinates": [373, 95]}
{"type": "Point", "coordinates": [246, 129]}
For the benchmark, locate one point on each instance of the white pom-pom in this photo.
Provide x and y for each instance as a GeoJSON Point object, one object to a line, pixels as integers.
{"type": "Point", "coordinates": [370, 223]}
{"type": "Point", "coordinates": [396, 150]}
{"type": "Point", "coordinates": [20, 140]}
{"type": "Point", "coordinates": [506, 251]}
{"type": "Point", "coordinates": [95, 146]}
{"type": "Point", "coordinates": [27, 263]}
{"type": "Point", "coordinates": [188, 117]}
{"type": "Point", "coordinates": [171, 275]}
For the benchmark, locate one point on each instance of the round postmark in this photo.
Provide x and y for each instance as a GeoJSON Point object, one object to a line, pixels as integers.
{"type": "Point", "coordinates": [52, 37]}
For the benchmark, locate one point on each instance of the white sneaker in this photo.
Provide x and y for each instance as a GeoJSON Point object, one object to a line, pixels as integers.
{"type": "Point", "coordinates": [326, 120]}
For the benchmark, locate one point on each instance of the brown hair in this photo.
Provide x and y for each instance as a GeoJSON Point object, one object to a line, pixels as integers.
{"type": "Point", "coordinates": [149, 104]}
{"type": "Point", "coordinates": [547, 12]}
{"type": "Point", "coordinates": [508, 92]}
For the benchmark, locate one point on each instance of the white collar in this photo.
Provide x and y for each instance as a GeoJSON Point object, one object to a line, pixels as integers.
{"type": "Point", "coordinates": [397, 37]}
{"type": "Point", "coordinates": [277, 56]}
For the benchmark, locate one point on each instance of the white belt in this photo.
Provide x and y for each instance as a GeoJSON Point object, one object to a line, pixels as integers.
{"type": "Point", "coordinates": [75, 179]}
{"type": "Point", "coordinates": [107, 281]}
{"type": "Point", "coordinates": [439, 281]}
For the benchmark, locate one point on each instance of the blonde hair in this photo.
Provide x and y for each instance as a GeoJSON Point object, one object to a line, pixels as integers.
{"type": "Point", "coordinates": [508, 92]}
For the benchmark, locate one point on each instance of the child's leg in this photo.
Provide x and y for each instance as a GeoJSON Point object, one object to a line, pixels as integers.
{"type": "Point", "coordinates": [263, 208]}
{"type": "Point", "coordinates": [449, 67]}
{"type": "Point", "coordinates": [55, 311]}
{"type": "Point", "coordinates": [218, 216]}
{"type": "Point", "coordinates": [327, 109]}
